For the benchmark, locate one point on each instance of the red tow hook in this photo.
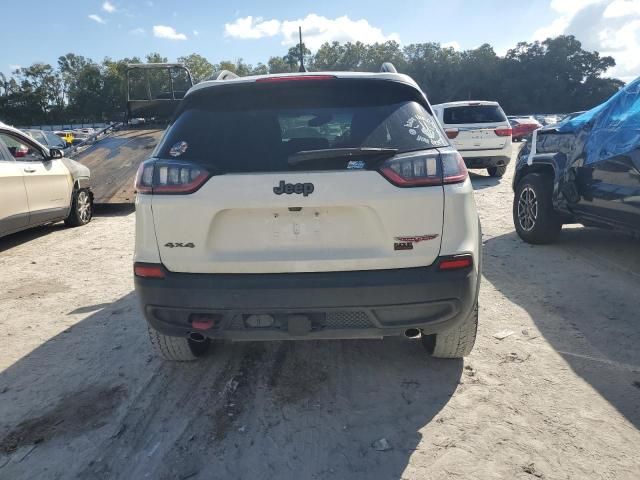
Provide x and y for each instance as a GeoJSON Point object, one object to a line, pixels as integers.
{"type": "Point", "coordinates": [202, 321]}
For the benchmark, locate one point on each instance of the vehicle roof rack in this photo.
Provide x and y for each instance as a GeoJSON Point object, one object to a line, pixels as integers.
{"type": "Point", "coordinates": [387, 67]}
{"type": "Point", "coordinates": [223, 75]}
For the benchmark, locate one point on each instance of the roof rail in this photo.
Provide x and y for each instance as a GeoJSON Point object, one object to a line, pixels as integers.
{"type": "Point", "coordinates": [388, 67]}
{"type": "Point", "coordinates": [223, 75]}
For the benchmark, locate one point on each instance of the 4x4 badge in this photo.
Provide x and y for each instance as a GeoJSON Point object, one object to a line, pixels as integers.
{"type": "Point", "coordinates": [304, 188]}
{"type": "Point", "coordinates": [179, 245]}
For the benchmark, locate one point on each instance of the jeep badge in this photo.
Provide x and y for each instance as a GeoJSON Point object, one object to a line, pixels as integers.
{"type": "Point", "coordinates": [304, 188]}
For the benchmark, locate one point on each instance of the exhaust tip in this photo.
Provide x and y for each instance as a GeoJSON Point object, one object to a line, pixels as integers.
{"type": "Point", "coordinates": [197, 337]}
{"type": "Point", "coordinates": [412, 333]}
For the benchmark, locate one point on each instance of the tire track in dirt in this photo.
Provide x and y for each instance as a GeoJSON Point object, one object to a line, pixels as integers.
{"type": "Point", "coordinates": [163, 409]}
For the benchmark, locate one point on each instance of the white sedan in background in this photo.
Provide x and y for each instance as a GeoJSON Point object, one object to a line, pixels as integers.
{"type": "Point", "coordinates": [38, 185]}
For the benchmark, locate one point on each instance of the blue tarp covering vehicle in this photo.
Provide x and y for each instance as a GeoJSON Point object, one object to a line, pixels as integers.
{"type": "Point", "coordinates": [583, 170]}
{"type": "Point", "coordinates": [614, 126]}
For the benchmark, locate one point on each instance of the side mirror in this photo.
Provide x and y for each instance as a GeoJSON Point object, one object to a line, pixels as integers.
{"type": "Point", "coordinates": [55, 153]}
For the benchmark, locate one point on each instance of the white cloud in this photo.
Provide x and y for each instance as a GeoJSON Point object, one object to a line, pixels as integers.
{"type": "Point", "coordinates": [164, 31]}
{"type": "Point", "coordinates": [97, 18]}
{"type": "Point", "coordinates": [108, 7]}
{"type": "Point", "coordinates": [452, 44]}
{"type": "Point", "coordinates": [612, 27]}
{"type": "Point", "coordinates": [196, 33]}
{"type": "Point", "coordinates": [316, 30]}
{"type": "Point", "coordinates": [248, 27]}
{"type": "Point", "coordinates": [137, 31]}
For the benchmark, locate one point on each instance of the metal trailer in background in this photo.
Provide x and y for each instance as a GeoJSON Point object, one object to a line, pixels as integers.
{"type": "Point", "coordinates": [154, 90]}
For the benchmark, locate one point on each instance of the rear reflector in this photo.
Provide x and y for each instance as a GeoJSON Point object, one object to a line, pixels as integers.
{"type": "Point", "coordinates": [458, 262]}
{"type": "Point", "coordinates": [148, 270]}
{"type": "Point", "coordinates": [295, 78]}
{"type": "Point", "coordinates": [503, 131]}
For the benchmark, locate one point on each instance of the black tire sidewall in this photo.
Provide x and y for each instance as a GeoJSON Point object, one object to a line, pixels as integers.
{"type": "Point", "coordinates": [547, 225]}
{"type": "Point", "coordinates": [497, 172]}
{"type": "Point", "coordinates": [74, 217]}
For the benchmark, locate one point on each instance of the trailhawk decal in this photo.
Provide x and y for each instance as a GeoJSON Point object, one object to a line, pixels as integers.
{"type": "Point", "coordinates": [417, 238]}
{"type": "Point", "coordinates": [406, 243]}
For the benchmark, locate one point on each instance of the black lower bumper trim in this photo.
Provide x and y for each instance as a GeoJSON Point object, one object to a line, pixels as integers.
{"type": "Point", "coordinates": [357, 304]}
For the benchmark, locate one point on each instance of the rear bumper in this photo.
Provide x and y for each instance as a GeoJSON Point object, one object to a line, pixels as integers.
{"type": "Point", "coordinates": [360, 304]}
{"type": "Point", "coordinates": [485, 162]}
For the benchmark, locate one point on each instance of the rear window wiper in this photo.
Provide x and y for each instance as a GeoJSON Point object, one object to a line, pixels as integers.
{"type": "Point", "coordinates": [363, 153]}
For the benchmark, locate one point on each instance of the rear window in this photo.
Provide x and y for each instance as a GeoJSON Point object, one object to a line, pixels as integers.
{"type": "Point", "coordinates": [258, 127]}
{"type": "Point", "coordinates": [473, 114]}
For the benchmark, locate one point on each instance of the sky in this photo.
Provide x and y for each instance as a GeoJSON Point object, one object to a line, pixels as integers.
{"type": "Point", "coordinates": [255, 30]}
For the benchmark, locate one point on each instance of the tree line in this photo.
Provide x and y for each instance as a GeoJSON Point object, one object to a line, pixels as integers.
{"type": "Point", "coordinates": [555, 75]}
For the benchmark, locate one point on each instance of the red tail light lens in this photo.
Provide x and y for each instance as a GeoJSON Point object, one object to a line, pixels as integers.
{"type": "Point", "coordinates": [21, 151]}
{"type": "Point", "coordinates": [433, 168]}
{"type": "Point", "coordinates": [170, 177]}
{"type": "Point", "coordinates": [457, 262]}
{"type": "Point", "coordinates": [295, 78]}
{"type": "Point", "coordinates": [413, 171]}
{"type": "Point", "coordinates": [452, 132]}
{"type": "Point", "coordinates": [148, 270]}
{"type": "Point", "coordinates": [453, 168]}
{"type": "Point", "coordinates": [503, 131]}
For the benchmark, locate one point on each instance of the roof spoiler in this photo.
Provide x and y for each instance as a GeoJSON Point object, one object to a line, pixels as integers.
{"type": "Point", "coordinates": [387, 67]}
{"type": "Point", "coordinates": [223, 75]}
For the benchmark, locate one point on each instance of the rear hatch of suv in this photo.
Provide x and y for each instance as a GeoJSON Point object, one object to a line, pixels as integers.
{"type": "Point", "coordinates": [476, 126]}
{"type": "Point", "coordinates": [305, 174]}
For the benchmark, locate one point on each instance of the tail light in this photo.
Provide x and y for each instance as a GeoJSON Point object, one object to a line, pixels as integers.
{"type": "Point", "coordinates": [456, 262]}
{"type": "Point", "coordinates": [21, 151]}
{"type": "Point", "coordinates": [295, 78]}
{"type": "Point", "coordinates": [452, 132]}
{"type": "Point", "coordinates": [148, 270]}
{"type": "Point", "coordinates": [503, 131]}
{"type": "Point", "coordinates": [170, 177]}
{"type": "Point", "coordinates": [433, 168]}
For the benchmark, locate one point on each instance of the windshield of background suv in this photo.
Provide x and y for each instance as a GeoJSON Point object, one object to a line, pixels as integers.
{"type": "Point", "coordinates": [473, 114]}
{"type": "Point", "coordinates": [259, 134]}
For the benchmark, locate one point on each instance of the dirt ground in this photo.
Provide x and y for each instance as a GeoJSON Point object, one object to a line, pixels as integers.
{"type": "Point", "coordinates": [82, 395]}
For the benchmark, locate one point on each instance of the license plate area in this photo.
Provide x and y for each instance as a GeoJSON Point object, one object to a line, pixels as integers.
{"type": "Point", "coordinates": [298, 224]}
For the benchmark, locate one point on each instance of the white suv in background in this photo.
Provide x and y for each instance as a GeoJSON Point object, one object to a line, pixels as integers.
{"type": "Point", "coordinates": [306, 206]}
{"type": "Point", "coordinates": [480, 131]}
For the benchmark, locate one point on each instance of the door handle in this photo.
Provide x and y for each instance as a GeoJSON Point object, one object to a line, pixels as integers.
{"type": "Point", "coordinates": [29, 170]}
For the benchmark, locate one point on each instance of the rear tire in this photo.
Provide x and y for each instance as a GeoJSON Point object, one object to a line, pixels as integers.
{"type": "Point", "coordinates": [178, 349]}
{"type": "Point", "coordinates": [456, 342]}
{"type": "Point", "coordinates": [497, 172]}
{"type": "Point", "coordinates": [81, 208]}
{"type": "Point", "coordinates": [534, 217]}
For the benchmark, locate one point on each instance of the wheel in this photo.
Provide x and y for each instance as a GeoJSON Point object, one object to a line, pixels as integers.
{"type": "Point", "coordinates": [456, 342]}
{"type": "Point", "coordinates": [178, 349]}
{"type": "Point", "coordinates": [497, 171]}
{"type": "Point", "coordinates": [534, 217]}
{"type": "Point", "coordinates": [81, 209]}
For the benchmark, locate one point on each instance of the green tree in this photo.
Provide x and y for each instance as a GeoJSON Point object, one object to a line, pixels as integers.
{"type": "Point", "coordinates": [200, 68]}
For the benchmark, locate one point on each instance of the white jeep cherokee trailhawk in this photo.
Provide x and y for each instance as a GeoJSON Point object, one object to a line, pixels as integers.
{"type": "Point", "coordinates": [306, 206]}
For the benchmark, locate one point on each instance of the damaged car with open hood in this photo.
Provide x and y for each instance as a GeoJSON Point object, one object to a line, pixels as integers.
{"type": "Point", "coordinates": [583, 170]}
